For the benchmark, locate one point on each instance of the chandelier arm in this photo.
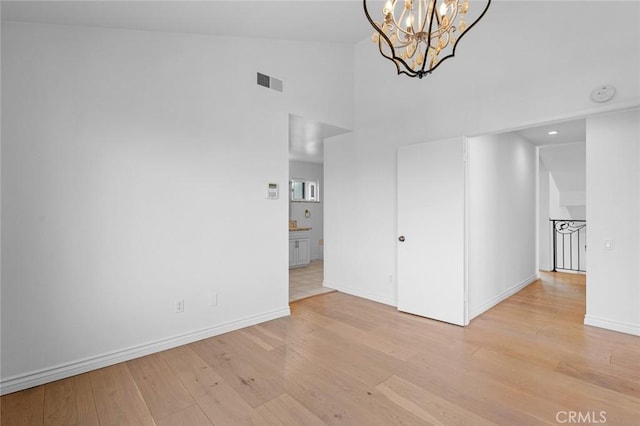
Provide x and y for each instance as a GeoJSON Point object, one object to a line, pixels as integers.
{"type": "Point", "coordinates": [403, 44]}
{"type": "Point", "coordinates": [426, 15]}
{"type": "Point", "coordinates": [392, 59]}
{"type": "Point", "coordinates": [395, 59]}
{"type": "Point", "coordinates": [399, 27]}
{"type": "Point", "coordinates": [393, 56]}
{"type": "Point", "coordinates": [454, 13]}
{"type": "Point", "coordinates": [437, 14]}
{"type": "Point", "coordinates": [379, 31]}
{"type": "Point", "coordinates": [478, 19]}
{"type": "Point", "coordinates": [421, 72]}
{"type": "Point", "coordinates": [453, 53]}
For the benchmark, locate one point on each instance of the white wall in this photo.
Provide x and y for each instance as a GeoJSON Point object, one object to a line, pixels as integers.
{"type": "Point", "coordinates": [134, 172]}
{"type": "Point", "coordinates": [544, 228]}
{"type": "Point", "coordinates": [556, 209]}
{"type": "Point", "coordinates": [496, 82]}
{"type": "Point", "coordinates": [613, 191]}
{"type": "Point", "coordinates": [309, 171]}
{"type": "Point", "coordinates": [573, 198]}
{"type": "Point", "coordinates": [567, 164]}
{"type": "Point", "coordinates": [360, 215]}
{"type": "Point", "coordinates": [501, 194]}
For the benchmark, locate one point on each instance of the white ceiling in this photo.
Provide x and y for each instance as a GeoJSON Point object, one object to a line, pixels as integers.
{"type": "Point", "coordinates": [567, 164]}
{"type": "Point", "coordinates": [340, 21]}
{"type": "Point", "coordinates": [568, 132]}
{"type": "Point", "coordinates": [301, 20]}
{"type": "Point", "coordinates": [306, 138]}
{"type": "Point", "coordinates": [563, 154]}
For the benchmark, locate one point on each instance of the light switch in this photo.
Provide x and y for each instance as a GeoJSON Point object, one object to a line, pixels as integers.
{"type": "Point", "coordinates": [608, 244]}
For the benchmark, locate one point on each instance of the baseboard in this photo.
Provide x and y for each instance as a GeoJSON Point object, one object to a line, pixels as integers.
{"type": "Point", "coordinates": [621, 327]}
{"type": "Point", "coordinates": [36, 378]}
{"type": "Point", "coordinates": [359, 293]}
{"type": "Point", "coordinates": [502, 296]}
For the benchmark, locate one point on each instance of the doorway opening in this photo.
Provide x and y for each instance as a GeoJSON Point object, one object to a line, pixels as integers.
{"type": "Point", "coordinates": [562, 188]}
{"type": "Point", "coordinates": [517, 183]}
{"type": "Point", "coordinates": [306, 212]}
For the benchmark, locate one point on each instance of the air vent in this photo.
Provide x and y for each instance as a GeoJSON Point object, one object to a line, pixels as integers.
{"type": "Point", "coordinates": [276, 84]}
{"type": "Point", "coordinates": [263, 80]}
{"type": "Point", "coordinates": [270, 82]}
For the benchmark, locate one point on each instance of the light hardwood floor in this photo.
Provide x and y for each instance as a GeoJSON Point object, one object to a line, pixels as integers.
{"type": "Point", "coordinates": [343, 360]}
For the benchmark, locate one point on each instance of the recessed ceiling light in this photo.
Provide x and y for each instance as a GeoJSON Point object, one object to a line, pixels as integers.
{"type": "Point", "coordinates": [553, 132]}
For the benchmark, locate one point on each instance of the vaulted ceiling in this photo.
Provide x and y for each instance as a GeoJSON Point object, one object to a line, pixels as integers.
{"type": "Point", "coordinates": [309, 21]}
{"type": "Point", "coordinates": [301, 20]}
{"type": "Point", "coordinates": [339, 21]}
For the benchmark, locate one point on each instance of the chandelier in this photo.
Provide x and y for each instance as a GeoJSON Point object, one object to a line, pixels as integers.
{"type": "Point", "coordinates": [417, 35]}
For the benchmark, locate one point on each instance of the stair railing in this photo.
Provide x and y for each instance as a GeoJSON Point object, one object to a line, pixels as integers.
{"type": "Point", "coordinates": [569, 240]}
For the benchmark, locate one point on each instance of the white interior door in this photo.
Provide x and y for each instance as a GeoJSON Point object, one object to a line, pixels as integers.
{"type": "Point", "coordinates": [431, 230]}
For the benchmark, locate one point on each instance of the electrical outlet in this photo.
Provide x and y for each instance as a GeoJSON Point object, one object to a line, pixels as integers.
{"type": "Point", "coordinates": [179, 306]}
{"type": "Point", "coordinates": [213, 298]}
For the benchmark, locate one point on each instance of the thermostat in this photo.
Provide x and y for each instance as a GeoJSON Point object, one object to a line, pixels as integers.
{"type": "Point", "coordinates": [272, 191]}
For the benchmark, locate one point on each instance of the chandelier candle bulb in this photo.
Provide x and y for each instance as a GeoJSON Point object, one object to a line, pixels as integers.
{"type": "Point", "coordinates": [434, 34]}
{"type": "Point", "coordinates": [443, 8]}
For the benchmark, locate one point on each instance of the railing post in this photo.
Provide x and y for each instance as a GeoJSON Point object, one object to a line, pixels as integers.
{"type": "Point", "coordinates": [555, 245]}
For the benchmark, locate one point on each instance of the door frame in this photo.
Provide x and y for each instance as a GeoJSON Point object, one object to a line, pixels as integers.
{"type": "Point", "coordinates": [465, 159]}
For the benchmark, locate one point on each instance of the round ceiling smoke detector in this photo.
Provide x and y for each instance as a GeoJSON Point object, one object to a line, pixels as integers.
{"type": "Point", "coordinates": [603, 93]}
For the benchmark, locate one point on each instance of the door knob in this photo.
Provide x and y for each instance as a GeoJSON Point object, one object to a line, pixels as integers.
{"type": "Point", "coordinates": [401, 239]}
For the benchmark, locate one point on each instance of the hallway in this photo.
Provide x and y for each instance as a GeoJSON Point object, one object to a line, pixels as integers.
{"type": "Point", "coordinates": [556, 299]}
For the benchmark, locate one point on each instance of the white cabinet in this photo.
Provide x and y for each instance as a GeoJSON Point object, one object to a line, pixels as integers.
{"type": "Point", "coordinates": [299, 249]}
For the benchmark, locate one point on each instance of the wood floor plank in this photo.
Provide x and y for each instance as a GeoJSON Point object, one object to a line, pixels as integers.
{"type": "Point", "coordinates": [263, 337]}
{"type": "Point", "coordinates": [70, 401]}
{"type": "Point", "coordinates": [449, 376]}
{"type": "Point", "coordinates": [299, 310]}
{"type": "Point", "coordinates": [600, 378]}
{"type": "Point", "coordinates": [627, 358]}
{"type": "Point", "coordinates": [428, 406]}
{"type": "Point", "coordinates": [338, 398]}
{"type": "Point", "coordinates": [160, 388]}
{"type": "Point", "coordinates": [195, 375]}
{"type": "Point", "coordinates": [555, 387]}
{"type": "Point", "coordinates": [382, 339]}
{"type": "Point", "coordinates": [224, 406]}
{"type": "Point", "coordinates": [285, 410]}
{"type": "Point", "coordinates": [24, 408]}
{"type": "Point", "coordinates": [286, 327]}
{"type": "Point", "coordinates": [347, 355]}
{"type": "Point", "coordinates": [538, 349]}
{"type": "Point", "coordinates": [253, 372]}
{"type": "Point", "coordinates": [192, 416]}
{"type": "Point", "coordinates": [118, 400]}
{"type": "Point", "coordinates": [332, 308]}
